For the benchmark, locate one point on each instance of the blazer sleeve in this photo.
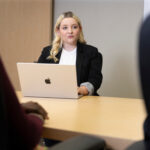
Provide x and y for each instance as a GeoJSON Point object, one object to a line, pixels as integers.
{"type": "Point", "coordinates": [24, 131]}
{"type": "Point", "coordinates": [44, 54]}
{"type": "Point", "coordinates": [95, 71]}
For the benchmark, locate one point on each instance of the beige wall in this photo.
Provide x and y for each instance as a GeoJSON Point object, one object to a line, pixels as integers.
{"type": "Point", "coordinates": [25, 28]}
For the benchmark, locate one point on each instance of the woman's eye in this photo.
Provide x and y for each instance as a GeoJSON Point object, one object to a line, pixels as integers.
{"type": "Point", "coordinates": [75, 27]}
{"type": "Point", "coordinates": [64, 28]}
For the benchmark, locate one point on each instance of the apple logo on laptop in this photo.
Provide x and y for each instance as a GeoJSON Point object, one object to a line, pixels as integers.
{"type": "Point", "coordinates": [47, 81]}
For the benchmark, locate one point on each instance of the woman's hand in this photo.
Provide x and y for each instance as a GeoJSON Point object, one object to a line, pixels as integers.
{"type": "Point", "coordinates": [83, 90]}
{"type": "Point", "coordinates": [33, 107]}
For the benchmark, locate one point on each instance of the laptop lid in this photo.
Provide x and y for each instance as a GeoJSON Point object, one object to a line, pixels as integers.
{"type": "Point", "coordinates": [48, 80]}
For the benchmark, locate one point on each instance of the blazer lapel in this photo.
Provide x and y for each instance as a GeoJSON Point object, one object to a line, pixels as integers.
{"type": "Point", "coordinates": [79, 61]}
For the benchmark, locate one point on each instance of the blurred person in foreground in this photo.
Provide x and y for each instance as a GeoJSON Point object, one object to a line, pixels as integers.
{"type": "Point", "coordinates": [21, 124]}
{"type": "Point", "coordinates": [144, 63]}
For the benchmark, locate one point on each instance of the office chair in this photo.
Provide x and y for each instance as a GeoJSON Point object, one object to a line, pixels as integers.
{"type": "Point", "coordinates": [83, 142]}
{"type": "Point", "coordinates": [140, 145]}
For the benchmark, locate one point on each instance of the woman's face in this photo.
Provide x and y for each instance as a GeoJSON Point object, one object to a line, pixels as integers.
{"type": "Point", "coordinates": [69, 31]}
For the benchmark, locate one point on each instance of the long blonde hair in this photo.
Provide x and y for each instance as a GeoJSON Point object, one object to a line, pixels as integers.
{"type": "Point", "coordinates": [56, 44]}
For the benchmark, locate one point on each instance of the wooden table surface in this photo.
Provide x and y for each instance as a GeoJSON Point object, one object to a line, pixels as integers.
{"type": "Point", "coordinates": [104, 116]}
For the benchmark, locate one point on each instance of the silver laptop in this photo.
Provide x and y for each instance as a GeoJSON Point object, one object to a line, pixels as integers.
{"type": "Point", "coordinates": [48, 80]}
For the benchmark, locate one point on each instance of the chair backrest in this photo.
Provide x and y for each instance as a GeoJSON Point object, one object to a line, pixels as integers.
{"type": "Point", "coordinates": [140, 145]}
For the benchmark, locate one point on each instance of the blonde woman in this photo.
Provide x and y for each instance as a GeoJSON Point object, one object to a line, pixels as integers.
{"type": "Point", "coordinates": [70, 48]}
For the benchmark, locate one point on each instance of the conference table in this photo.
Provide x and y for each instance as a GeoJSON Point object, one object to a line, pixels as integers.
{"type": "Point", "coordinates": [118, 120]}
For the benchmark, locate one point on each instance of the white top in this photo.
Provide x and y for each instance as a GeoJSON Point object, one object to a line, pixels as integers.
{"type": "Point", "coordinates": [68, 57]}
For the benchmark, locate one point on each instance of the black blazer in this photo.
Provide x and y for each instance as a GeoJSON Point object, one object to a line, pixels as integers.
{"type": "Point", "coordinates": [88, 64]}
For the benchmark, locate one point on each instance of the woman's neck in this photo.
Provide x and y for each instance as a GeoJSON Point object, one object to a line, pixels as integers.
{"type": "Point", "coordinates": [69, 47]}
